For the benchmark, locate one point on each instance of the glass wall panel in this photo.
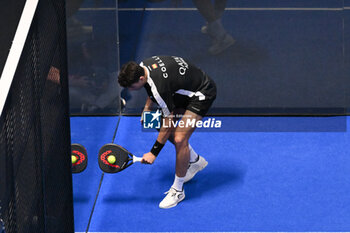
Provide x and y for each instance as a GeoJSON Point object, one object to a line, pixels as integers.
{"type": "Point", "coordinates": [93, 59]}
{"type": "Point", "coordinates": [266, 57]}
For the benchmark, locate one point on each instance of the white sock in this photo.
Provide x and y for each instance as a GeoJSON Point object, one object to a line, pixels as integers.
{"type": "Point", "coordinates": [178, 183]}
{"type": "Point", "coordinates": [193, 154]}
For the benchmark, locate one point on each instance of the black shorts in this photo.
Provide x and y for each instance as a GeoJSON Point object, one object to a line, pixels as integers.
{"type": "Point", "coordinates": [195, 103]}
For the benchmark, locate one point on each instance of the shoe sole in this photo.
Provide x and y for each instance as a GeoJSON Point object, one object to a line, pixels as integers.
{"type": "Point", "coordinates": [171, 206]}
{"type": "Point", "coordinates": [205, 165]}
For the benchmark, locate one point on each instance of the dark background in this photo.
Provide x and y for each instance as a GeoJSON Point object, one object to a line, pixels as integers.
{"type": "Point", "coordinates": [291, 60]}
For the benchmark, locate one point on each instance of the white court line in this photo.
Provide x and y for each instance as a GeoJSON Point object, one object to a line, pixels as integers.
{"type": "Point", "coordinates": [227, 9]}
{"type": "Point", "coordinates": [16, 50]}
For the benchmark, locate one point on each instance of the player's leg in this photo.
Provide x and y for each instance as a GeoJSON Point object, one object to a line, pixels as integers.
{"type": "Point", "coordinates": [214, 28]}
{"type": "Point", "coordinates": [200, 107]}
{"type": "Point", "coordinates": [181, 138]}
{"type": "Point", "coordinates": [206, 9]}
{"type": "Point", "coordinates": [219, 7]}
{"type": "Point", "coordinates": [177, 112]}
{"type": "Point", "coordinates": [193, 154]}
{"type": "Point", "coordinates": [195, 163]}
{"type": "Point", "coordinates": [194, 157]}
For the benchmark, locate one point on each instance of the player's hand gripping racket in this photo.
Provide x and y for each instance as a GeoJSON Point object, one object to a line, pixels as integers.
{"type": "Point", "coordinates": [113, 158]}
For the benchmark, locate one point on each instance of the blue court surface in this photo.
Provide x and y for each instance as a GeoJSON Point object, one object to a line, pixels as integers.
{"type": "Point", "coordinates": [277, 177]}
{"type": "Point", "coordinates": [264, 173]}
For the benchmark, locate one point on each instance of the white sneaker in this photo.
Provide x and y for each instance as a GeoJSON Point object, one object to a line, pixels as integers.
{"type": "Point", "coordinates": [172, 198]}
{"type": "Point", "coordinates": [195, 167]}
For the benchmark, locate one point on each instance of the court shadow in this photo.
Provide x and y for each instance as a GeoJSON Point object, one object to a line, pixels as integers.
{"type": "Point", "coordinates": [222, 179]}
{"type": "Point", "coordinates": [214, 178]}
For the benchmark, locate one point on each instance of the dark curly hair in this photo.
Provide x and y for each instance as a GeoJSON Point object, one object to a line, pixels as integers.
{"type": "Point", "coordinates": [130, 73]}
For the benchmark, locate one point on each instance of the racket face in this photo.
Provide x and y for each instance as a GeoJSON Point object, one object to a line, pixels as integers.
{"type": "Point", "coordinates": [121, 155]}
{"type": "Point", "coordinates": [80, 153]}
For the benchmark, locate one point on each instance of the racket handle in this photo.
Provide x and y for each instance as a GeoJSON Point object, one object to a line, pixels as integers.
{"type": "Point", "coordinates": [136, 159]}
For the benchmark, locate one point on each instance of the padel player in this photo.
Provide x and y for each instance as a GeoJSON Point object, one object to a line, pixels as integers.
{"type": "Point", "coordinates": [179, 88]}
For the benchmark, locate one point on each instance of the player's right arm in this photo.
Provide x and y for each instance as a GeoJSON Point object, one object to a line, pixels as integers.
{"type": "Point", "coordinates": [148, 104]}
{"type": "Point", "coordinates": [148, 107]}
{"type": "Point", "coordinates": [163, 135]}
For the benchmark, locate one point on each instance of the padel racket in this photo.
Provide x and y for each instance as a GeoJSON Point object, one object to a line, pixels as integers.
{"type": "Point", "coordinates": [79, 158]}
{"type": "Point", "coordinates": [113, 158]}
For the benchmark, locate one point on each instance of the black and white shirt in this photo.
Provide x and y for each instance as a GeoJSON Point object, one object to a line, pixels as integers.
{"type": "Point", "coordinates": [170, 75]}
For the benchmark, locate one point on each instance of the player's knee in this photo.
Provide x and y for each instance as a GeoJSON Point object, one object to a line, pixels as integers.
{"type": "Point", "coordinates": [180, 140]}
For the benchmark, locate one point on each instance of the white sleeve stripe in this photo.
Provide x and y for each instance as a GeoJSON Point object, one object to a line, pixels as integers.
{"type": "Point", "coordinates": [156, 94]}
{"type": "Point", "coordinates": [191, 93]}
{"type": "Point", "coordinates": [185, 92]}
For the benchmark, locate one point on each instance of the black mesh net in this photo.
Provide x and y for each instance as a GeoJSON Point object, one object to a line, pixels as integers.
{"type": "Point", "coordinates": [35, 175]}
